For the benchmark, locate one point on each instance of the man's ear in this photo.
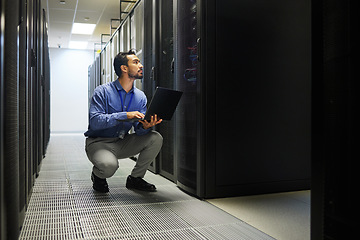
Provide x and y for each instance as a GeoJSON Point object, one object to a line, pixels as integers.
{"type": "Point", "coordinates": [123, 68]}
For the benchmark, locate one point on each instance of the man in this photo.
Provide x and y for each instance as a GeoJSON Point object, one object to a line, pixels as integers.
{"type": "Point", "coordinates": [107, 137]}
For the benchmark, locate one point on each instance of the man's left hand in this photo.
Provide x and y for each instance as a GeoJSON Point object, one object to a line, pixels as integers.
{"type": "Point", "coordinates": [154, 121]}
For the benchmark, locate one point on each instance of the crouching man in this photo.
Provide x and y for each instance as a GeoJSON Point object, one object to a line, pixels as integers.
{"type": "Point", "coordinates": [107, 137]}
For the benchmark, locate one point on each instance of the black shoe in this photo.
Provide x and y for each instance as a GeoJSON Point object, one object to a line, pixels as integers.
{"type": "Point", "coordinates": [139, 184]}
{"type": "Point", "coordinates": [99, 184]}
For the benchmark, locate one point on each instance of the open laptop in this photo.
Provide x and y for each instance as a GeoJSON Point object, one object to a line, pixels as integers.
{"type": "Point", "coordinates": [163, 104]}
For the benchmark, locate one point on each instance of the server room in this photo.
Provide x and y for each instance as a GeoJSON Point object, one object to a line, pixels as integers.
{"type": "Point", "coordinates": [254, 132]}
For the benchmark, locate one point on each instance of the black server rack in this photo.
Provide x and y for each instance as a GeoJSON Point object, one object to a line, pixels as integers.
{"type": "Point", "coordinates": [45, 82]}
{"type": "Point", "coordinates": [25, 107]}
{"type": "Point", "coordinates": [150, 62]}
{"type": "Point", "coordinates": [335, 154]}
{"type": "Point", "coordinates": [187, 80]}
{"type": "Point", "coordinates": [23, 193]}
{"type": "Point", "coordinates": [149, 48]}
{"type": "Point", "coordinates": [11, 121]}
{"type": "Point", "coordinates": [243, 123]}
{"type": "Point", "coordinates": [38, 96]}
{"type": "Point", "coordinates": [29, 97]}
{"type": "Point", "coordinates": [166, 79]}
{"type": "Point", "coordinates": [159, 71]}
{"type": "Point", "coordinates": [2, 198]}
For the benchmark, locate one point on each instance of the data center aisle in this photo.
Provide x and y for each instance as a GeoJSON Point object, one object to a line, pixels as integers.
{"type": "Point", "coordinates": [64, 206]}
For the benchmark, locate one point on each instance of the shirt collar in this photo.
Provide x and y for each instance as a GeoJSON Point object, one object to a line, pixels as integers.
{"type": "Point", "coordinates": [119, 87]}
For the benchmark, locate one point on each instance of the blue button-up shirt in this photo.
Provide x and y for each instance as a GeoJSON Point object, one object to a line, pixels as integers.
{"type": "Point", "coordinates": [107, 108]}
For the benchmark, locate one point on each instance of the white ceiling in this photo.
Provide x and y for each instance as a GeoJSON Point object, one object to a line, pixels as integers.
{"type": "Point", "coordinates": [61, 17]}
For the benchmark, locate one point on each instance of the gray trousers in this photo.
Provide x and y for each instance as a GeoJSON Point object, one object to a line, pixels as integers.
{"type": "Point", "coordinates": [105, 152]}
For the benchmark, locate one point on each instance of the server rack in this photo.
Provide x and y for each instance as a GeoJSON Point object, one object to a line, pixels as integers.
{"type": "Point", "coordinates": [166, 79]}
{"type": "Point", "coordinates": [2, 198]}
{"type": "Point", "coordinates": [25, 107]}
{"type": "Point", "coordinates": [45, 82]}
{"type": "Point", "coordinates": [150, 57]}
{"type": "Point", "coordinates": [335, 36]}
{"type": "Point", "coordinates": [11, 121]}
{"type": "Point", "coordinates": [251, 59]}
{"type": "Point", "coordinates": [187, 80]}
{"type": "Point", "coordinates": [23, 191]}
{"type": "Point", "coordinates": [158, 71]}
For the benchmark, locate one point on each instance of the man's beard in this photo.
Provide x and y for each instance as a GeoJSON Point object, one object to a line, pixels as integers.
{"type": "Point", "coordinates": [136, 76]}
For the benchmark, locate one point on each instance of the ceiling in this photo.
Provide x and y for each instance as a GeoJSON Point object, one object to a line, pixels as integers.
{"type": "Point", "coordinates": [61, 14]}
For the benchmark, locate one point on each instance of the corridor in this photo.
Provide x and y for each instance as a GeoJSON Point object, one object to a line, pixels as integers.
{"type": "Point", "coordinates": [63, 204]}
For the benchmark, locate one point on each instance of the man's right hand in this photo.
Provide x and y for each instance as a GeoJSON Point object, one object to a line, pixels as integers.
{"type": "Point", "coordinates": [136, 114]}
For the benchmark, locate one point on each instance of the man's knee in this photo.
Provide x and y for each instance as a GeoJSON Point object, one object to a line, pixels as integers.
{"type": "Point", "coordinates": [106, 163]}
{"type": "Point", "coordinates": [156, 138]}
{"type": "Point", "coordinates": [107, 169]}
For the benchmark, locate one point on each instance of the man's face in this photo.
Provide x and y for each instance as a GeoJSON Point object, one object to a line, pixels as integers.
{"type": "Point", "coordinates": [135, 68]}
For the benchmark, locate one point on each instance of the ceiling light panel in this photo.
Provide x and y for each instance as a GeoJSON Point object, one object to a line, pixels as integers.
{"type": "Point", "coordinates": [78, 44]}
{"type": "Point", "coordinates": [83, 28]}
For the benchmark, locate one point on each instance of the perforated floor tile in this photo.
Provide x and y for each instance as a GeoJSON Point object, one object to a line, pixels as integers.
{"type": "Point", "coordinates": [63, 205]}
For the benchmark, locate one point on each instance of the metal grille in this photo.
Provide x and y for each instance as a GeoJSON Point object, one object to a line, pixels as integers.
{"type": "Point", "coordinates": [64, 206]}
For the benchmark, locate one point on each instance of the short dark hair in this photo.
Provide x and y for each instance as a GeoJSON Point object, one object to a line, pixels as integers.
{"type": "Point", "coordinates": [121, 59]}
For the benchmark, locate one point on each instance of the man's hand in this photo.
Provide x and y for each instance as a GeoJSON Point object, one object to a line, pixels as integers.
{"type": "Point", "coordinates": [154, 121]}
{"type": "Point", "coordinates": [136, 114]}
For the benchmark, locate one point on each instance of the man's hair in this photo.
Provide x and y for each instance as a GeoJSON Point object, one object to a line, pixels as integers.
{"type": "Point", "coordinates": [121, 59]}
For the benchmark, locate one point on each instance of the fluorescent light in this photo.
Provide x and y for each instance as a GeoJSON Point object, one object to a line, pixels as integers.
{"type": "Point", "coordinates": [83, 28]}
{"type": "Point", "coordinates": [78, 44]}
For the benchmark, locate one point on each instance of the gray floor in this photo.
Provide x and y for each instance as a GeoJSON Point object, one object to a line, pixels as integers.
{"type": "Point", "coordinates": [64, 206]}
{"type": "Point", "coordinates": [282, 215]}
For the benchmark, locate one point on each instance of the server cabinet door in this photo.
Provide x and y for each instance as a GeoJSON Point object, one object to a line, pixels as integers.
{"type": "Point", "coordinates": [165, 78]}
{"type": "Point", "coordinates": [23, 191]}
{"type": "Point", "coordinates": [186, 71]}
{"type": "Point", "coordinates": [150, 57]}
{"type": "Point", "coordinates": [11, 120]}
{"type": "Point", "coordinates": [29, 99]}
{"type": "Point", "coordinates": [2, 197]}
{"type": "Point", "coordinates": [149, 49]}
{"type": "Point", "coordinates": [46, 83]}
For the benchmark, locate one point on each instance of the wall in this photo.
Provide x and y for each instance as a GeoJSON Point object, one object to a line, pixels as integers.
{"type": "Point", "coordinates": [69, 89]}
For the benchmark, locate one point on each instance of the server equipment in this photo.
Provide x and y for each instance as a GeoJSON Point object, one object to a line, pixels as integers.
{"type": "Point", "coordinates": [2, 198]}
{"type": "Point", "coordinates": [335, 154]}
{"type": "Point", "coordinates": [159, 72]}
{"type": "Point", "coordinates": [25, 107]}
{"type": "Point", "coordinates": [243, 123]}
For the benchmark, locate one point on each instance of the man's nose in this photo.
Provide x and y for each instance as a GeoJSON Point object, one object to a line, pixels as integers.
{"type": "Point", "coordinates": [140, 65]}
